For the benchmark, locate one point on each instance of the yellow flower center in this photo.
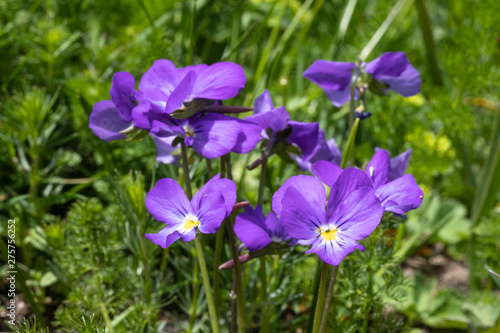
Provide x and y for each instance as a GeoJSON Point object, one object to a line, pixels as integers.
{"type": "Point", "coordinates": [329, 235]}
{"type": "Point", "coordinates": [190, 224]}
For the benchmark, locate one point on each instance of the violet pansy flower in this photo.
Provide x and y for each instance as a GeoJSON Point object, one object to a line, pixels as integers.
{"type": "Point", "coordinates": [398, 196]}
{"type": "Point", "coordinates": [257, 231]}
{"type": "Point", "coordinates": [399, 164]}
{"type": "Point", "coordinates": [168, 204]}
{"type": "Point", "coordinates": [112, 119]}
{"type": "Point", "coordinates": [327, 151]}
{"type": "Point", "coordinates": [353, 213]}
{"type": "Point", "coordinates": [391, 71]}
{"type": "Point", "coordinates": [284, 136]}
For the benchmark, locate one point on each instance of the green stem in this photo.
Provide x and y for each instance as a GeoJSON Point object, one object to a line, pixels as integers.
{"type": "Point", "coordinates": [219, 237]}
{"type": "Point", "coordinates": [206, 285]}
{"type": "Point", "coordinates": [333, 279]}
{"type": "Point", "coordinates": [185, 168]}
{"type": "Point", "coordinates": [237, 275]}
{"type": "Point", "coordinates": [317, 278]}
{"type": "Point", "coordinates": [199, 249]}
{"type": "Point", "coordinates": [196, 294]}
{"type": "Point", "coordinates": [321, 298]}
{"type": "Point", "coordinates": [264, 327]}
{"type": "Point", "coordinates": [368, 308]}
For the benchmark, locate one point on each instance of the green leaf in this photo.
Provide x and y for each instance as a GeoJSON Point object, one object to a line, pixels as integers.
{"type": "Point", "coordinates": [494, 276]}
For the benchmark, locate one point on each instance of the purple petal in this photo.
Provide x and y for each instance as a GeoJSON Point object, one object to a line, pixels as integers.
{"type": "Point", "coordinates": [164, 237]}
{"type": "Point", "coordinates": [310, 187]}
{"type": "Point", "coordinates": [122, 94]}
{"type": "Point", "coordinates": [275, 227]}
{"type": "Point", "coordinates": [197, 69]}
{"type": "Point", "coordinates": [333, 252]}
{"type": "Point", "coordinates": [249, 231]}
{"type": "Point", "coordinates": [348, 181]}
{"type": "Point", "coordinates": [162, 130]}
{"type": "Point", "coordinates": [181, 93]}
{"type": "Point", "coordinates": [106, 123]}
{"type": "Point", "coordinates": [168, 203]}
{"type": "Point", "coordinates": [248, 137]}
{"type": "Point", "coordinates": [158, 83]}
{"type": "Point", "coordinates": [326, 171]}
{"type": "Point", "coordinates": [210, 209]}
{"type": "Point", "coordinates": [331, 75]}
{"type": "Point", "coordinates": [358, 215]}
{"type": "Point", "coordinates": [222, 80]}
{"type": "Point", "coordinates": [224, 186]}
{"type": "Point", "coordinates": [257, 212]}
{"type": "Point", "coordinates": [379, 168]}
{"type": "Point", "coordinates": [399, 164]}
{"type": "Point", "coordinates": [263, 103]}
{"type": "Point", "coordinates": [305, 135]}
{"type": "Point", "coordinates": [400, 195]}
{"type": "Point", "coordinates": [394, 69]}
{"type": "Point", "coordinates": [164, 150]}
{"type": "Point", "coordinates": [327, 151]}
{"type": "Point", "coordinates": [339, 97]}
{"type": "Point", "coordinates": [276, 119]}
{"type": "Point", "coordinates": [301, 217]}
{"type": "Point", "coordinates": [143, 116]}
{"type": "Point", "coordinates": [214, 134]}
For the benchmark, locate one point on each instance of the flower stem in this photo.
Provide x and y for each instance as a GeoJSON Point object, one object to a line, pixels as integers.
{"type": "Point", "coordinates": [264, 327]}
{"type": "Point", "coordinates": [321, 299]}
{"type": "Point", "coordinates": [349, 149]}
{"type": "Point", "coordinates": [185, 168]}
{"type": "Point", "coordinates": [199, 249]}
{"type": "Point", "coordinates": [206, 284]}
{"type": "Point", "coordinates": [237, 277]}
{"type": "Point", "coordinates": [333, 279]}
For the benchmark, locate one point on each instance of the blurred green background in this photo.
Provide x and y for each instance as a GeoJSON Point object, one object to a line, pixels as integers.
{"type": "Point", "coordinates": [79, 201]}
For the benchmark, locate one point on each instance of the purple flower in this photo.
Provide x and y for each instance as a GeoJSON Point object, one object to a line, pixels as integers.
{"type": "Point", "coordinates": [257, 231]}
{"type": "Point", "coordinates": [211, 135]}
{"type": "Point", "coordinates": [353, 213]}
{"type": "Point", "coordinates": [283, 135]}
{"type": "Point", "coordinates": [168, 203]}
{"type": "Point", "coordinates": [165, 152]}
{"type": "Point", "coordinates": [390, 71]}
{"type": "Point", "coordinates": [168, 88]}
{"type": "Point", "coordinates": [327, 151]}
{"type": "Point", "coordinates": [398, 196]}
{"type": "Point", "coordinates": [399, 164]}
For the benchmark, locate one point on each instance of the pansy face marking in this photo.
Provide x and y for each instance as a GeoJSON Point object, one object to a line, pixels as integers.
{"type": "Point", "coordinates": [191, 222]}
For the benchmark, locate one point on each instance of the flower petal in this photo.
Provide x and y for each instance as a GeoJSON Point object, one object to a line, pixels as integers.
{"type": "Point", "coordinates": [301, 217]}
{"type": "Point", "coordinates": [348, 181]}
{"type": "Point", "coordinates": [222, 80]}
{"type": "Point", "coordinates": [214, 134]}
{"type": "Point", "coordinates": [249, 231]}
{"type": "Point", "coordinates": [305, 135]}
{"type": "Point", "coordinates": [224, 186]}
{"type": "Point", "coordinates": [263, 103]}
{"type": "Point", "coordinates": [310, 187]}
{"type": "Point", "coordinates": [106, 123]}
{"type": "Point", "coordinates": [158, 83]}
{"type": "Point", "coordinates": [164, 237]}
{"type": "Point", "coordinates": [168, 203]}
{"type": "Point", "coordinates": [326, 171]}
{"type": "Point", "coordinates": [333, 252]}
{"type": "Point", "coordinates": [211, 210]}
{"type": "Point", "coordinates": [394, 69]}
{"type": "Point", "coordinates": [358, 215]}
{"type": "Point", "coordinates": [122, 94]}
{"type": "Point", "coordinates": [399, 164]}
{"type": "Point", "coordinates": [164, 150]}
{"type": "Point", "coordinates": [331, 75]}
{"type": "Point", "coordinates": [275, 227]}
{"type": "Point", "coordinates": [181, 93]}
{"type": "Point", "coordinates": [379, 168]}
{"type": "Point", "coordinates": [400, 195]}
{"type": "Point", "coordinates": [248, 137]}
{"type": "Point", "coordinates": [276, 119]}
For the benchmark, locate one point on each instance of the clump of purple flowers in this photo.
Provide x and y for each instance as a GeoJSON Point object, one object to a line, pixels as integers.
{"type": "Point", "coordinates": [182, 108]}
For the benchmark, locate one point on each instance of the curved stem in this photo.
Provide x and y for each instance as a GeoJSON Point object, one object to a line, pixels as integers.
{"type": "Point", "coordinates": [206, 284]}
{"type": "Point", "coordinates": [333, 279]}
{"type": "Point", "coordinates": [264, 327]}
{"type": "Point", "coordinates": [199, 249]}
{"type": "Point", "coordinates": [321, 299]}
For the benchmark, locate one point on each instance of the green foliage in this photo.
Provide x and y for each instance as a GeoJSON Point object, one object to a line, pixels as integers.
{"type": "Point", "coordinates": [80, 209]}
